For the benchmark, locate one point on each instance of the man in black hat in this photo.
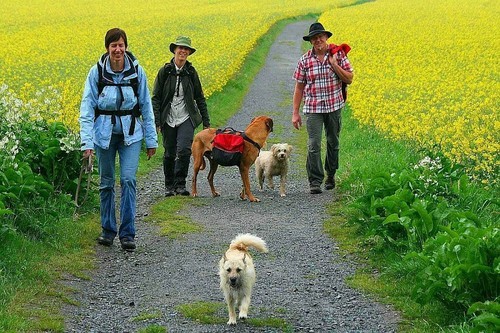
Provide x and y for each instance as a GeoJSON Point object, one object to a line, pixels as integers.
{"type": "Point", "coordinates": [319, 77]}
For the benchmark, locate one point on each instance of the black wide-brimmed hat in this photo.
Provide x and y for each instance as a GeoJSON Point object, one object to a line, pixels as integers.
{"type": "Point", "coordinates": [316, 28]}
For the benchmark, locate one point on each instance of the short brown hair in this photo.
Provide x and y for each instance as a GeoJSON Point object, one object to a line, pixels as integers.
{"type": "Point", "coordinates": [114, 35]}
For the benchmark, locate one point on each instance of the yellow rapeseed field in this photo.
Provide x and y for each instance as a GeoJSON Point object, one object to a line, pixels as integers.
{"type": "Point", "coordinates": [54, 43]}
{"type": "Point", "coordinates": [427, 72]}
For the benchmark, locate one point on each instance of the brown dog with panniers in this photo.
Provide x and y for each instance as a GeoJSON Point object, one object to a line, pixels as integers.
{"type": "Point", "coordinates": [257, 131]}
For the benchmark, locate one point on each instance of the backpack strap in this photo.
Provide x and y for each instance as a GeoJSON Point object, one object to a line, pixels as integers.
{"type": "Point", "coordinates": [133, 82]}
{"type": "Point", "coordinates": [256, 145]}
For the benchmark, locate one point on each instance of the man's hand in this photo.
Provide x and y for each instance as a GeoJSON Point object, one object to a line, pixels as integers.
{"type": "Point", "coordinates": [296, 120]}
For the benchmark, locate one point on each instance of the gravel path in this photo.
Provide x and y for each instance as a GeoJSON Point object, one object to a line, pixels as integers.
{"type": "Point", "coordinates": [301, 279]}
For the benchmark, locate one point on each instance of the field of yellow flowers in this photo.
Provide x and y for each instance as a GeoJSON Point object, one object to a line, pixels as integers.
{"type": "Point", "coordinates": [49, 46]}
{"type": "Point", "coordinates": [427, 72]}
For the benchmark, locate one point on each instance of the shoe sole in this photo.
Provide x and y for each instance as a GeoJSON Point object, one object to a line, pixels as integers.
{"type": "Point", "coordinates": [105, 242]}
{"type": "Point", "coordinates": [128, 250]}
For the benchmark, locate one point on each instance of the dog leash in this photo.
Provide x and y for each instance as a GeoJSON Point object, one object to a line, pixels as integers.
{"type": "Point", "coordinates": [87, 168]}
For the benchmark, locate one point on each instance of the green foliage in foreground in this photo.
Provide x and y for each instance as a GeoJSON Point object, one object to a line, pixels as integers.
{"type": "Point", "coordinates": [432, 235]}
{"type": "Point", "coordinates": [445, 230]}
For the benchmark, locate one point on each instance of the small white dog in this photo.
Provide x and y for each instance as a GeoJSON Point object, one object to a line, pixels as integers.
{"type": "Point", "coordinates": [273, 163]}
{"type": "Point", "coordinates": [237, 274]}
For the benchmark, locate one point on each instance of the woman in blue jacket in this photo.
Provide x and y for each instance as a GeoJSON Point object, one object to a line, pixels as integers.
{"type": "Point", "coordinates": [115, 116]}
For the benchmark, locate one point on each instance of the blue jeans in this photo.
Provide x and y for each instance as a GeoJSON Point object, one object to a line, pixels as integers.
{"type": "Point", "coordinates": [129, 161]}
{"type": "Point", "coordinates": [332, 123]}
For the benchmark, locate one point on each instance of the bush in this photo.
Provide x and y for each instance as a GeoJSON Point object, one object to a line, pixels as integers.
{"type": "Point", "coordinates": [447, 233]}
{"type": "Point", "coordinates": [39, 161]}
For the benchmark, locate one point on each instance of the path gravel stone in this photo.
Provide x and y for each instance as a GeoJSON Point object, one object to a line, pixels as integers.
{"type": "Point", "coordinates": [300, 280]}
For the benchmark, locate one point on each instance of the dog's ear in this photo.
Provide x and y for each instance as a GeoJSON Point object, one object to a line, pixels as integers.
{"type": "Point", "coordinates": [290, 148]}
{"type": "Point", "coordinates": [269, 124]}
{"type": "Point", "coordinates": [225, 258]}
{"type": "Point", "coordinates": [273, 148]}
{"type": "Point", "coordinates": [244, 257]}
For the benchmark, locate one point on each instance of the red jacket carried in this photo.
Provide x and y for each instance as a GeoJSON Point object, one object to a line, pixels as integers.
{"type": "Point", "coordinates": [333, 50]}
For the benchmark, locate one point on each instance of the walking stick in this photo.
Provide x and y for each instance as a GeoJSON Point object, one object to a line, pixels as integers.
{"type": "Point", "coordinates": [87, 168]}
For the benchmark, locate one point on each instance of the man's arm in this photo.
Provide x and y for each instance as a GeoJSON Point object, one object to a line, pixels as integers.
{"type": "Point", "coordinates": [345, 76]}
{"type": "Point", "coordinates": [297, 99]}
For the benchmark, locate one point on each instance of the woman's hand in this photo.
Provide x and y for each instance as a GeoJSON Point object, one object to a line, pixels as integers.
{"type": "Point", "coordinates": [150, 152]}
{"type": "Point", "coordinates": [87, 153]}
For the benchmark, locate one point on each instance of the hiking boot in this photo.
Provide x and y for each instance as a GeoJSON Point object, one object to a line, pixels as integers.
{"type": "Point", "coordinates": [315, 190]}
{"type": "Point", "coordinates": [128, 244]}
{"type": "Point", "coordinates": [181, 191]}
{"type": "Point", "coordinates": [169, 192]}
{"type": "Point", "coordinates": [330, 183]}
{"type": "Point", "coordinates": [103, 240]}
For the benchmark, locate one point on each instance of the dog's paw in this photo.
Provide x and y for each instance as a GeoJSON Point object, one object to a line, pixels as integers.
{"type": "Point", "coordinates": [243, 316]}
{"type": "Point", "coordinates": [282, 195]}
{"type": "Point", "coordinates": [231, 322]}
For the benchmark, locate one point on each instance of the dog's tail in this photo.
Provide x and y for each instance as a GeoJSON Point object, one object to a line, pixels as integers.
{"type": "Point", "coordinates": [243, 241]}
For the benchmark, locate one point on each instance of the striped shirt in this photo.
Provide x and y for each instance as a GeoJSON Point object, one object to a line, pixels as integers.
{"type": "Point", "coordinates": [323, 88]}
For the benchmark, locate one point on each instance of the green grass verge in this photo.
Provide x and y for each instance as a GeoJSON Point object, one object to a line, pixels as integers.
{"type": "Point", "coordinates": [30, 298]}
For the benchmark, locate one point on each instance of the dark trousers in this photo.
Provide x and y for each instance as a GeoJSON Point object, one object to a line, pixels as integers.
{"type": "Point", "coordinates": [177, 143]}
{"type": "Point", "coordinates": [332, 123]}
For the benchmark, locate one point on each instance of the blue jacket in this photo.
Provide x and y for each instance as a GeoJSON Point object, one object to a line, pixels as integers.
{"type": "Point", "coordinates": [97, 131]}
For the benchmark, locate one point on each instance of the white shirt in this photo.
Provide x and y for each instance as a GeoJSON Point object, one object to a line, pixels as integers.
{"type": "Point", "coordinates": [178, 112]}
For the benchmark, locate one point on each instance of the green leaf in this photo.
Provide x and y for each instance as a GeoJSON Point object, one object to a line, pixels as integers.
{"type": "Point", "coordinates": [448, 231]}
{"type": "Point", "coordinates": [6, 212]}
{"type": "Point", "coordinates": [428, 222]}
{"type": "Point", "coordinates": [51, 152]}
{"type": "Point", "coordinates": [479, 268]}
{"type": "Point", "coordinates": [393, 218]}
{"type": "Point", "coordinates": [496, 265]}
{"type": "Point", "coordinates": [490, 306]}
